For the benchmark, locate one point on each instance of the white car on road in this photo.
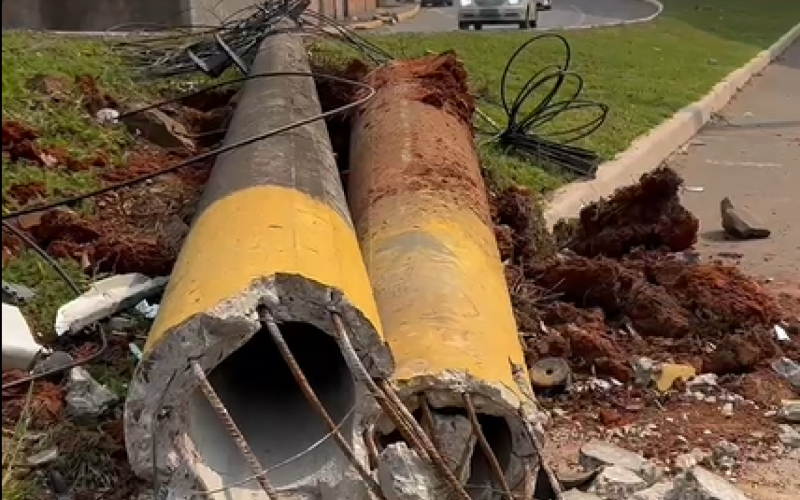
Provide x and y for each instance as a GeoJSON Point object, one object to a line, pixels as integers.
{"type": "Point", "coordinates": [523, 13]}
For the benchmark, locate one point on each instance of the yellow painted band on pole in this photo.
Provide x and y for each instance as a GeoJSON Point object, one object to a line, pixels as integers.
{"type": "Point", "coordinates": [255, 233]}
{"type": "Point", "coordinates": [440, 287]}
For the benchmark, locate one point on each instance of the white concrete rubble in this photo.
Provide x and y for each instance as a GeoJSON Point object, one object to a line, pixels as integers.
{"type": "Point", "coordinates": [617, 483]}
{"type": "Point", "coordinates": [578, 495]}
{"type": "Point", "coordinates": [597, 453]}
{"type": "Point", "coordinates": [403, 475]}
{"type": "Point", "coordinates": [86, 397]}
{"type": "Point", "coordinates": [452, 435]}
{"type": "Point", "coordinates": [700, 484]}
{"type": "Point", "coordinates": [659, 491]}
{"type": "Point", "coordinates": [19, 346]}
{"type": "Point", "coordinates": [105, 298]}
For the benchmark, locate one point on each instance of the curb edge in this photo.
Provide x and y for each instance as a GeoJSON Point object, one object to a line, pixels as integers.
{"type": "Point", "coordinates": [648, 151]}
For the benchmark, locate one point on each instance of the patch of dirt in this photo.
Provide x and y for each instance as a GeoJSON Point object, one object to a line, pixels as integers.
{"type": "Point", "coordinates": [47, 401]}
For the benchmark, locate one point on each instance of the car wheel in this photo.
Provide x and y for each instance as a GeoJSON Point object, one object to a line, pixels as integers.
{"type": "Point", "coordinates": [463, 26]}
{"type": "Point", "coordinates": [478, 26]}
{"type": "Point", "coordinates": [449, 3]}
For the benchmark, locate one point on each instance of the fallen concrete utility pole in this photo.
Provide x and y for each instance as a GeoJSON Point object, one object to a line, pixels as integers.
{"type": "Point", "coordinates": [421, 213]}
{"type": "Point", "coordinates": [271, 252]}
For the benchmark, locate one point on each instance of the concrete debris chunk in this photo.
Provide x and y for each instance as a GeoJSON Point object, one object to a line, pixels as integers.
{"type": "Point", "coordinates": [789, 436]}
{"type": "Point", "coordinates": [453, 436]}
{"type": "Point", "coordinates": [86, 397]}
{"type": "Point", "coordinates": [659, 491]}
{"type": "Point", "coordinates": [597, 453]}
{"type": "Point", "coordinates": [403, 475]}
{"type": "Point", "coordinates": [788, 369]}
{"type": "Point", "coordinates": [701, 484]}
{"type": "Point", "coordinates": [725, 454]}
{"type": "Point", "coordinates": [159, 128]}
{"type": "Point", "coordinates": [740, 223]}
{"type": "Point", "coordinates": [617, 483]}
{"type": "Point", "coordinates": [578, 495]}
{"type": "Point", "coordinates": [20, 348]}
{"type": "Point", "coordinates": [58, 360]}
{"type": "Point", "coordinates": [43, 457]}
{"type": "Point", "coordinates": [15, 294]}
{"type": "Point", "coordinates": [790, 410]}
{"type": "Point", "coordinates": [106, 298]}
{"type": "Point", "coordinates": [686, 461]}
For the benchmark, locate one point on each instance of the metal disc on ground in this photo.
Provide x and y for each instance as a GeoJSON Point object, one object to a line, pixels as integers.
{"type": "Point", "coordinates": [550, 373]}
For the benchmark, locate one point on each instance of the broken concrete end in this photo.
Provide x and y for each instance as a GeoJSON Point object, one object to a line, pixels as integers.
{"type": "Point", "coordinates": [192, 447]}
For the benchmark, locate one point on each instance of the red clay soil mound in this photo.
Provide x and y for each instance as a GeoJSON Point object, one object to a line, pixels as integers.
{"type": "Point", "coordinates": [622, 292]}
{"type": "Point", "coordinates": [645, 215]}
{"type": "Point", "coordinates": [438, 80]}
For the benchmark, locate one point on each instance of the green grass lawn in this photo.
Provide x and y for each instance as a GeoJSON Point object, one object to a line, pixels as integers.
{"type": "Point", "coordinates": [644, 73]}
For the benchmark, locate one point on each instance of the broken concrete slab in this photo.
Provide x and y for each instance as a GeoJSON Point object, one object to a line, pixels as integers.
{"type": "Point", "coordinates": [701, 484]}
{"type": "Point", "coordinates": [741, 223]}
{"type": "Point", "coordinates": [788, 369]}
{"type": "Point", "coordinates": [659, 491]}
{"type": "Point", "coordinates": [790, 410]}
{"type": "Point", "coordinates": [403, 475]}
{"type": "Point", "coordinates": [617, 483]}
{"type": "Point", "coordinates": [20, 348]}
{"type": "Point", "coordinates": [159, 128]}
{"type": "Point", "coordinates": [86, 398]}
{"type": "Point", "coordinates": [578, 495]}
{"type": "Point", "coordinates": [16, 294]}
{"type": "Point", "coordinates": [105, 298]}
{"type": "Point", "coordinates": [597, 453]}
{"type": "Point", "coordinates": [452, 435]}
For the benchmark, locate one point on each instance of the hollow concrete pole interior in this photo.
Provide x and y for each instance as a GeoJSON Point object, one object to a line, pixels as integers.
{"type": "Point", "coordinates": [421, 212]}
{"type": "Point", "coordinates": [272, 238]}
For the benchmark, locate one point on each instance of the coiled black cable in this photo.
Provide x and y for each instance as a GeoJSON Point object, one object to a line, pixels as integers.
{"type": "Point", "coordinates": [528, 133]}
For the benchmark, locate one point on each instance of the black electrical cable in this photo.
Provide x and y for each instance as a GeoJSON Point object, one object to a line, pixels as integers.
{"type": "Point", "coordinates": [528, 133]}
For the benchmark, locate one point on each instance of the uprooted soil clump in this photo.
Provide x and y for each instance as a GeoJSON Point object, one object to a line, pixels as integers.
{"type": "Point", "coordinates": [622, 288]}
{"type": "Point", "coordinates": [646, 215]}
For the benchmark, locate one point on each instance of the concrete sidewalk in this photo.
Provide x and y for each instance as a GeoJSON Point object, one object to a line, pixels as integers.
{"type": "Point", "coordinates": [752, 155]}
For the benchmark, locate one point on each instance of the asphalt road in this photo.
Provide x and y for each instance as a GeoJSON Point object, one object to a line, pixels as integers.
{"type": "Point", "coordinates": [752, 154]}
{"type": "Point", "coordinates": [565, 14]}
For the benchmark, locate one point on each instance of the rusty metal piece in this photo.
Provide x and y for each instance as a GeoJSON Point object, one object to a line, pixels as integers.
{"type": "Point", "coordinates": [230, 426]}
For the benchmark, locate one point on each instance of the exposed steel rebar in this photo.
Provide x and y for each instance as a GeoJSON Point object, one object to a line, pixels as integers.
{"type": "Point", "coordinates": [230, 426]}
{"type": "Point", "coordinates": [494, 464]}
{"type": "Point", "coordinates": [316, 404]}
{"type": "Point", "coordinates": [396, 410]}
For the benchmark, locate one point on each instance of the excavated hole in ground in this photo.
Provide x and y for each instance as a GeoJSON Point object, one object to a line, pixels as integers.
{"type": "Point", "coordinates": [264, 399]}
{"type": "Point", "coordinates": [498, 435]}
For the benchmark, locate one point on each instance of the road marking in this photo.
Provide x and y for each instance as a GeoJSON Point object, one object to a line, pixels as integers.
{"type": "Point", "coordinates": [754, 164]}
{"type": "Point", "coordinates": [582, 17]}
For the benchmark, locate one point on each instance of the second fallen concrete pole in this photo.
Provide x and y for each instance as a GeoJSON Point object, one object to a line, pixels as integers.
{"type": "Point", "coordinates": [272, 243]}
{"type": "Point", "coordinates": [422, 217]}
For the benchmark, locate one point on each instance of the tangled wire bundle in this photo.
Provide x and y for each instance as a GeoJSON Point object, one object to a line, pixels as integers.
{"type": "Point", "coordinates": [533, 133]}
